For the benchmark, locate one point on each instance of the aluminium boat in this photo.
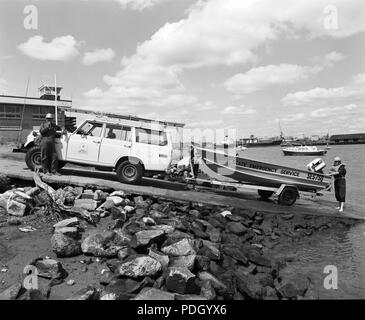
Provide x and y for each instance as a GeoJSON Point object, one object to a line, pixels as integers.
{"type": "Point", "coordinates": [228, 167]}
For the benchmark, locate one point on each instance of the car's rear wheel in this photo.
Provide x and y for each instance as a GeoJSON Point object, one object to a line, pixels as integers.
{"type": "Point", "coordinates": [33, 158]}
{"type": "Point", "coordinates": [129, 172]}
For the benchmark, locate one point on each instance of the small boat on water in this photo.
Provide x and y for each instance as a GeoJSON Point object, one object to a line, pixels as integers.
{"type": "Point", "coordinates": [230, 168]}
{"type": "Point", "coordinates": [304, 151]}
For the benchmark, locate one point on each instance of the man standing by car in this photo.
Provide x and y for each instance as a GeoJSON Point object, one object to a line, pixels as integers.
{"type": "Point", "coordinates": [49, 159]}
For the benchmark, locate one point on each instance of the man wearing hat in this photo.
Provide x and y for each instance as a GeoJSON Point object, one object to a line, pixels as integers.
{"type": "Point", "coordinates": [49, 159]}
{"type": "Point", "coordinates": [338, 171]}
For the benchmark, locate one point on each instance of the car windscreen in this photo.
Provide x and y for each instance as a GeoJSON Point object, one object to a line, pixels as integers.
{"type": "Point", "coordinates": [149, 136]}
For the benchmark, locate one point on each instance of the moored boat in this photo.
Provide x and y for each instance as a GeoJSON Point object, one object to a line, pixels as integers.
{"type": "Point", "coordinates": [304, 151]}
{"type": "Point", "coordinates": [229, 168]}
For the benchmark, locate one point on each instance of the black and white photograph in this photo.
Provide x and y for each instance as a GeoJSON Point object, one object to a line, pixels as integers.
{"type": "Point", "coordinates": [195, 151]}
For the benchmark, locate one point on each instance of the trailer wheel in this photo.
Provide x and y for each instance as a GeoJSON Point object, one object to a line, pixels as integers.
{"type": "Point", "coordinates": [288, 196]}
{"type": "Point", "coordinates": [265, 194]}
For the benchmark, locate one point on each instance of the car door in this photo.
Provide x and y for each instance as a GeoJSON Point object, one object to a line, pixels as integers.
{"type": "Point", "coordinates": [115, 144]}
{"type": "Point", "coordinates": [84, 144]}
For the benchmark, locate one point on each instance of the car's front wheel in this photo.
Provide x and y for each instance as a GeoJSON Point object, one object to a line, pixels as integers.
{"type": "Point", "coordinates": [129, 172]}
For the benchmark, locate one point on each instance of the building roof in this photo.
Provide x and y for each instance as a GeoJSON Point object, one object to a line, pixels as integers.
{"type": "Point", "coordinates": [34, 101]}
{"type": "Point", "coordinates": [348, 136]}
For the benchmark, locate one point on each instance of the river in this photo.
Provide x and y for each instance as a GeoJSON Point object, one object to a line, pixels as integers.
{"type": "Point", "coordinates": [343, 249]}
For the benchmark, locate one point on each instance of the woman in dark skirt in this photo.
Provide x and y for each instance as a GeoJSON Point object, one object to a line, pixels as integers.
{"type": "Point", "coordinates": [338, 170]}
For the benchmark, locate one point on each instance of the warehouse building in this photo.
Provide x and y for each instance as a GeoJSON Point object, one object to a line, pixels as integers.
{"type": "Point", "coordinates": [354, 138]}
{"type": "Point", "coordinates": [21, 115]}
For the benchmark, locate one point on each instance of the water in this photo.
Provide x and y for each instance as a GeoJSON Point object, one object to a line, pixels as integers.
{"type": "Point", "coordinates": [344, 249]}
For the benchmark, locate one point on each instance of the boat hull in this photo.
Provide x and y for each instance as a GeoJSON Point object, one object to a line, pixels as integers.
{"type": "Point", "coordinates": [229, 168]}
{"type": "Point", "coordinates": [304, 153]}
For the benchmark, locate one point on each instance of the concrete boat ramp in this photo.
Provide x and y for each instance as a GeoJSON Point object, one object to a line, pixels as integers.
{"type": "Point", "coordinates": [318, 206]}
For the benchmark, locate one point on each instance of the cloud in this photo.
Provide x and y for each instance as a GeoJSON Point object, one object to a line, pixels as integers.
{"type": "Point", "coordinates": [98, 55]}
{"type": "Point", "coordinates": [58, 49]}
{"type": "Point", "coordinates": [261, 77]}
{"type": "Point", "coordinates": [238, 111]}
{"type": "Point", "coordinates": [330, 112]}
{"type": "Point", "coordinates": [293, 117]}
{"type": "Point", "coordinates": [330, 59]}
{"type": "Point", "coordinates": [138, 4]}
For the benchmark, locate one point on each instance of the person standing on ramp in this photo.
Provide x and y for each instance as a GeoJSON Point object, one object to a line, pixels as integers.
{"type": "Point", "coordinates": [49, 159]}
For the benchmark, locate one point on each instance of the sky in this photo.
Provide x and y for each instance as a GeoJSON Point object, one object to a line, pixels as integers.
{"type": "Point", "coordinates": [211, 64]}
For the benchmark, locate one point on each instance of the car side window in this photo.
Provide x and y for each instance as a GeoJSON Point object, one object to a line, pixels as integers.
{"type": "Point", "coordinates": [93, 129]}
{"type": "Point", "coordinates": [153, 137]}
{"type": "Point", "coordinates": [118, 132]}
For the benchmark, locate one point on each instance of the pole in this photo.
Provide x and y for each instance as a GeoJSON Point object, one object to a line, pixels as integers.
{"type": "Point", "coordinates": [55, 99]}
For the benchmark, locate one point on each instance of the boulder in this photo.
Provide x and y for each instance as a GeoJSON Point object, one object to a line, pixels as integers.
{"type": "Point", "coordinates": [141, 266]}
{"type": "Point", "coordinates": [16, 208]}
{"type": "Point", "coordinates": [236, 227]}
{"type": "Point", "coordinates": [154, 294]}
{"type": "Point", "coordinates": [71, 232]}
{"type": "Point", "coordinates": [210, 250]}
{"type": "Point", "coordinates": [88, 293]}
{"type": "Point", "coordinates": [207, 290]}
{"type": "Point", "coordinates": [118, 213]}
{"type": "Point", "coordinates": [147, 237]}
{"type": "Point", "coordinates": [180, 280]}
{"type": "Point", "coordinates": [184, 262]}
{"type": "Point", "coordinates": [218, 285]}
{"type": "Point", "coordinates": [236, 253]}
{"type": "Point", "coordinates": [117, 201]}
{"type": "Point", "coordinates": [72, 222]}
{"type": "Point", "coordinates": [294, 286]}
{"type": "Point", "coordinates": [101, 245]}
{"type": "Point", "coordinates": [86, 204]}
{"type": "Point", "coordinates": [181, 248]}
{"type": "Point", "coordinates": [65, 246]}
{"type": "Point", "coordinates": [160, 257]}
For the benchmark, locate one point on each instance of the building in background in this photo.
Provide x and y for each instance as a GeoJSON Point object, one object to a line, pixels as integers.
{"type": "Point", "coordinates": [21, 115]}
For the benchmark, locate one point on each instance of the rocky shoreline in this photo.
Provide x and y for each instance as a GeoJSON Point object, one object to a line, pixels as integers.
{"type": "Point", "coordinates": [153, 248]}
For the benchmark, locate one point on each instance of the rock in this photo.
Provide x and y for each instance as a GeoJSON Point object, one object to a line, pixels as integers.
{"type": "Point", "coordinates": [202, 263]}
{"type": "Point", "coordinates": [14, 221]}
{"type": "Point", "coordinates": [237, 253]}
{"type": "Point", "coordinates": [216, 283]}
{"type": "Point", "coordinates": [147, 237]}
{"type": "Point", "coordinates": [148, 221]}
{"type": "Point", "coordinates": [117, 201]}
{"type": "Point", "coordinates": [101, 245]}
{"type": "Point", "coordinates": [71, 232]}
{"type": "Point", "coordinates": [140, 203]}
{"type": "Point", "coordinates": [207, 290]}
{"type": "Point", "coordinates": [106, 277]}
{"type": "Point", "coordinates": [214, 235]}
{"type": "Point", "coordinates": [86, 204]}
{"type": "Point", "coordinates": [118, 213]}
{"type": "Point", "coordinates": [118, 193]}
{"type": "Point", "coordinates": [164, 227]}
{"type": "Point", "coordinates": [64, 246]}
{"type": "Point", "coordinates": [180, 248]}
{"type": "Point", "coordinates": [193, 297]}
{"type": "Point", "coordinates": [160, 257]}
{"type": "Point", "coordinates": [194, 213]}
{"type": "Point", "coordinates": [288, 216]}
{"type": "Point", "coordinates": [269, 293]}
{"type": "Point", "coordinates": [236, 227]}
{"type": "Point", "coordinates": [141, 266]}
{"type": "Point", "coordinates": [154, 294]}
{"type": "Point", "coordinates": [210, 250]}
{"type": "Point", "coordinates": [249, 285]}
{"type": "Point", "coordinates": [225, 213]}
{"type": "Point", "coordinates": [12, 292]}
{"type": "Point", "coordinates": [88, 293]}
{"type": "Point", "coordinates": [129, 209]}
{"type": "Point", "coordinates": [123, 253]}
{"type": "Point", "coordinates": [121, 238]}
{"type": "Point", "coordinates": [16, 208]}
{"type": "Point", "coordinates": [294, 286]}
{"type": "Point", "coordinates": [183, 262]}
{"type": "Point", "coordinates": [70, 282]}
{"type": "Point", "coordinates": [261, 260]}
{"type": "Point", "coordinates": [72, 222]}
{"type": "Point", "coordinates": [100, 195]}
{"type": "Point", "coordinates": [32, 294]}
{"type": "Point", "coordinates": [180, 280]}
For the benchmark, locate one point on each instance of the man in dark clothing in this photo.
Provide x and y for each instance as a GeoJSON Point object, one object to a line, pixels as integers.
{"type": "Point", "coordinates": [338, 170]}
{"type": "Point", "coordinates": [49, 159]}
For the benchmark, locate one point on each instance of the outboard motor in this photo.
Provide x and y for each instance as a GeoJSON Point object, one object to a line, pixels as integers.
{"type": "Point", "coordinates": [316, 165]}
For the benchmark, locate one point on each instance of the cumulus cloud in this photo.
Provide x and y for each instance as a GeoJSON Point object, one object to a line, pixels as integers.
{"type": "Point", "coordinates": [329, 59]}
{"type": "Point", "coordinates": [216, 33]}
{"type": "Point", "coordinates": [328, 112]}
{"type": "Point", "coordinates": [58, 49]}
{"type": "Point", "coordinates": [293, 117]}
{"type": "Point", "coordinates": [259, 78]}
{"type": "Point", "coordinates": [238, 111]}
{"type": "Point", "coordinates": [98, 55]}
{"type": "Point", "coordinates": [138, 4]}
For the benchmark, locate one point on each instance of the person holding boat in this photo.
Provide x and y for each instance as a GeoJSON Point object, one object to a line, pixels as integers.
{"type": "Point", "coordinates": [338, 171]}
{"type": "Point", "coordinates": [49, 159]}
